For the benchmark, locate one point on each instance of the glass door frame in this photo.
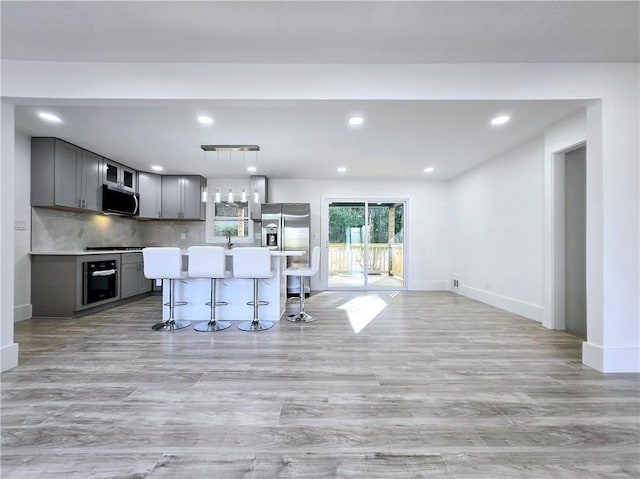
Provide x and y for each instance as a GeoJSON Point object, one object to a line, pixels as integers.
{"type": "Point", "coordinates": [324, 242]}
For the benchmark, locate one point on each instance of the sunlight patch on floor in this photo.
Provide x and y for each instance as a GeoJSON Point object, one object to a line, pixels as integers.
{"type": "Point", "coordinates": [362, 310]}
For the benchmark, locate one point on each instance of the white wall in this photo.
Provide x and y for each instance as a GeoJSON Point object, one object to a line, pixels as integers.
{"type": "Point", "coordinates": [497, 214]}
{"type": "Point", "coordinates": [8, 349]}
{"type": "Point", "coordinates": [22, 238]}
{"type": "Point", "coordinates": [427, 226]}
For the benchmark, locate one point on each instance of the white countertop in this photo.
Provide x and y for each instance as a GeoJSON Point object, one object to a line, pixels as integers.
{"type": "Point", "coordinates": [118, 251]}
{"type": "Point", "coordinates": [83, 252]}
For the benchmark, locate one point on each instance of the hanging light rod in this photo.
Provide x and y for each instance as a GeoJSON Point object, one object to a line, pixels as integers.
{"type": "Point", "coordinates": [230, 147]}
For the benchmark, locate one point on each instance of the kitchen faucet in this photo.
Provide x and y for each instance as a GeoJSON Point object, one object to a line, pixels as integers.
{"type": "Point", "coordinates": [229, 243]}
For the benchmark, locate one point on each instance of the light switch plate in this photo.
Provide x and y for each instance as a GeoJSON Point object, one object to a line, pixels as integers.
{"type": "Point", "coordinates": [20, 226]}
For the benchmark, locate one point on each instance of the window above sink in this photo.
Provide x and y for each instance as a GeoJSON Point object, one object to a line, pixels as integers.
{"type": "Point", "coordinates": [229, 219]}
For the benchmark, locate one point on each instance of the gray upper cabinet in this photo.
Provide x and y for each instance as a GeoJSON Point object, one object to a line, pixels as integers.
{"type": "Point", "coordinates": [64, 175]}
{"type": "Point", "coordinates": [150, 190]}
{"type": "Point", "coordinates": [181, 197]}
{"type": "Point", "coordinates": [119, 175]}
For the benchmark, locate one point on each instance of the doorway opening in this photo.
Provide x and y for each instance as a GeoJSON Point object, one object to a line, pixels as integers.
{"type": "Point", "coordinates": [569, 280]}
{"type": "Point", "coordinates": [365, 244]}
{"type": "Point", "coordinates": [575, 233]}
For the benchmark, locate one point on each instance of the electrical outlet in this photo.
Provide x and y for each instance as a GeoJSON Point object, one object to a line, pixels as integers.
{"type": "Point", "coordinates": [456, 283]}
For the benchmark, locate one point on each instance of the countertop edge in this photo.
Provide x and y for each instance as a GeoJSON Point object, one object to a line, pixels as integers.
{"type": "Point", "coordinates": [117, 251]}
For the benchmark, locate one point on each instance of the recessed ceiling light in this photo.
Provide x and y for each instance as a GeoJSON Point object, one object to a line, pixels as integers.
{"type": "Point", "coordinates": [500, 120]}
{"type": "Point", "coordinates": [49, 117]}
{"type": "Point", "coordinates": [251, 168]}
{"type": "Point", "coordinates": [157, 168]}
{"type": "Point", "coordinates": [429, 169]}
{"type": "Point", "coordinates": [205, 120]}
{"type": "Point", "coordinates": [341, 169]}
{"type": "Point", "coordinates": [356, 120]}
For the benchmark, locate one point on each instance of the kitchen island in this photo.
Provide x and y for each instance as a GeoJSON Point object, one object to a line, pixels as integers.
{"type": "Point", "coordinates": [235, 291]}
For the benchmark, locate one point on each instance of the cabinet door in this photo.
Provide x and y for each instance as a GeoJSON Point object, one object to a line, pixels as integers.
{"type": "Point", "coordinates": [144, 284]}
{"type": "Point", "coordinates": [90, 181]}
{"type": "Point", "coordinates": [66, 174]}
{"type": "Point", "coordinates": [110, 173]}
{"type": "Point", "coordinates": [150, 187]}
{"type": "Point", "coordinates": [129, 280]}
{"type": "Point", "coordinates": [128, 179]}
{"type": "Point", "coordinates": [192, 197]}
{"type": "Point", "coordinates": [171, 197]}
{"type": "Point", "coordinates": [120, 176]}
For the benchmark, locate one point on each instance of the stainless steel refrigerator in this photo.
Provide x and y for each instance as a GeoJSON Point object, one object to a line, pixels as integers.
{"type": "Point", "coordinates": [285, 227]}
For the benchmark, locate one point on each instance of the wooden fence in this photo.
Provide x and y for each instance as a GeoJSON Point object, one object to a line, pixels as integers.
{"type": "Point", "coordinates": [384, 258]}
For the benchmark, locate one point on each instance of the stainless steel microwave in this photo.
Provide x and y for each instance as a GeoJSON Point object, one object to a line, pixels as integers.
{"type": "Point", "coordinates": [122, 202]}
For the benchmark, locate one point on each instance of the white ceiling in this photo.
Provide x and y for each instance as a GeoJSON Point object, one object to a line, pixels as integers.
{"type": "Point", "coordinates": [309, 139]}
{"type": "Point", "coordinates": [303, 139]}
{"type": "Point", "coordinates": [321, 32]}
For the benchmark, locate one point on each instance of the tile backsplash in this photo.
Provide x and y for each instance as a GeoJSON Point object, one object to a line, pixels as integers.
{"type": "Point", "coordinates": [58, 230]}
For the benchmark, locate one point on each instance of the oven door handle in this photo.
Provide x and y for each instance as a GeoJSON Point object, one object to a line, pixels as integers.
{"type": "Point", "coordinates": [106, 272]}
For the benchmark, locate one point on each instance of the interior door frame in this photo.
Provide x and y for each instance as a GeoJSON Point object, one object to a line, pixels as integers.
{"type": "Point", "coordinates": [324, 240]}
{"type": "Point", "coordinates": [554, 243]}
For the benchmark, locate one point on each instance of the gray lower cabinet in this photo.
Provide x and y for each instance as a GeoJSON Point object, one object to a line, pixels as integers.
{"type": "Point", "coordinates": [64, 175]}
{"type": "Point", "coordinates": [132, 279]}
{"type": "Point", "coordinates": [58, 281]}
{"type": "Point", "coordinates": [150, 189]}
{"type": "Point", "coordinates": [182, 197]}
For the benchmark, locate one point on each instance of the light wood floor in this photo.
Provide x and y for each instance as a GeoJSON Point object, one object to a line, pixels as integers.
{"type": "Point", "coordinates": [435, 385]}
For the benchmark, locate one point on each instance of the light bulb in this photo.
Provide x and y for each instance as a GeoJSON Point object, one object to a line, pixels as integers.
{"type": "Point", "coordinates": [256, 196]}
{"type": "Point", "coordinates": [230, 196]}
{"type": "Point", "coordinates": [203, 196]}
{"type": "Point", "coordinates": [218, 199]}
{"type": "Point", "coordinates": [244, 196]}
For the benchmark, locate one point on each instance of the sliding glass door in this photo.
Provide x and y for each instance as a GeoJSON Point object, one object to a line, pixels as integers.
{"type": "Point", "coordinates": [365, 244]}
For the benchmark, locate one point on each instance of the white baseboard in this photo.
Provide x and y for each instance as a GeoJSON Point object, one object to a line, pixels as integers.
{"type": "Point", "coordinates": [22, 312]}
{"type": "Point", "coordinates": [9, 357]}
{"type": "Point", "coordinates": [528, 310]}
{"type": "Point", "coordinates": [429, 286]}
{"type": "Point", "coordinates": [611, 360]}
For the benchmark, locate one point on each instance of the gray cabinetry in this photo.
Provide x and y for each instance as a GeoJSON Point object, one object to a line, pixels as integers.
{"type": "Point", "coordinates": [182, 197]}
{"type": "Point", "coordinates": [57, 283]}
{"type": "Point", "coordinates": [64, 175]}
{"type": "Point", "coordinates": [150, 190]}
{"type": "Point", "coordinates": [132, 279]}
{"type": "Point", "coordinates": [119, 175]}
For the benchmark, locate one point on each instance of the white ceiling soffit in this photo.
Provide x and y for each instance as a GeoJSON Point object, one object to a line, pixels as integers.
{"type": "Point", "coordinates": [322, 32]}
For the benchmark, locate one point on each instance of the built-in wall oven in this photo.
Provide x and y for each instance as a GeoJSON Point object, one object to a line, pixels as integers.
{"type": "Point", "coordinates": [99, 280]}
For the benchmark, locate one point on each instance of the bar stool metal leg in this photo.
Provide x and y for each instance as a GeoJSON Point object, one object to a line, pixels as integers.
{"type": "Point", "coordinates": [213, 325]}
{"type": "Point", "coordinates": [301, 316]}
{"type": "Point", "coordinates": [171, 324]}
{"type": "Point", "coordinates": [255, 324]}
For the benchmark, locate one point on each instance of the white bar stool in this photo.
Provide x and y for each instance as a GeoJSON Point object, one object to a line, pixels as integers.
{"type": "Point", "coordinates": [253, 263]}
{"type": "Point", "coordinates": [302, 316]}
{"type": "Point", "coordinates": [165, 263]}
{"type": "Point", "coordinates": [209, 262]}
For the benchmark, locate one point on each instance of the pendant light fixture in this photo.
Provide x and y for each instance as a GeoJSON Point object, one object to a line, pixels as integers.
{"type": "Point", "coordinates": [256, 193]}
{"type": "Point", "coordinates": [204, 193]}
{"type": "Point", "coordinates": [230, 148]}
{"type": "Point", "coordinates": [218, 196]}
